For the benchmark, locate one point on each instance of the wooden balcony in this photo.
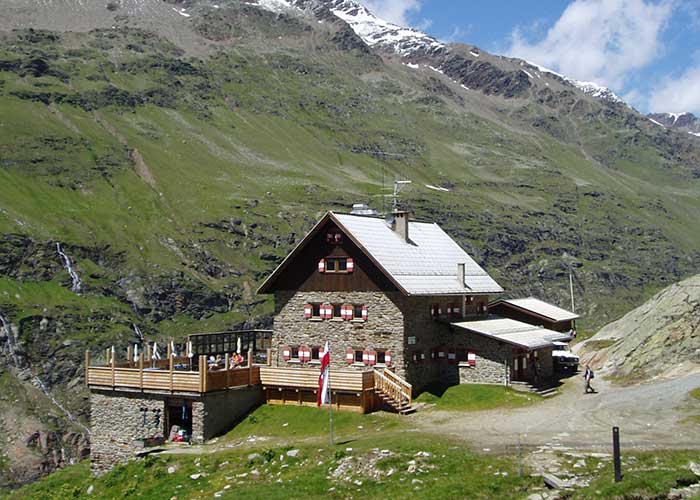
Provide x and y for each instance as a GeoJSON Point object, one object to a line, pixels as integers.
{"type": "Point", "coordinates": [293, 378]}
{"type": "Point", "coordinates": [174, 375]}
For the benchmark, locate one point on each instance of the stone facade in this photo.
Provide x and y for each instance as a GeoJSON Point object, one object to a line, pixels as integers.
{"type": "Point", "coordinates": [117, 420]}
{"type": "Point", "coordinates": [382, 330]}
{"type": "Point", "coordinates": [222, 410]}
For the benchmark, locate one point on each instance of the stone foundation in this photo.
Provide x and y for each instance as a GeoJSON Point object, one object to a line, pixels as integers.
{"type": "Point", "coordinates": [118, 426]}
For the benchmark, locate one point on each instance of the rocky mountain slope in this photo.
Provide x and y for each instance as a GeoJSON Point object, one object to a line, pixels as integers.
{"type": "Point", "coordinates": [174, 151]}
{"type": "Point", "coordinates": [659, 338]}
{"type": "Point", "coordinates": [686, 122]}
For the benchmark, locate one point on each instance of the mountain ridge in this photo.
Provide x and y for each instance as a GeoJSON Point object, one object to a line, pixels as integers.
{"type": "Point", "coordinates": [176, 159]}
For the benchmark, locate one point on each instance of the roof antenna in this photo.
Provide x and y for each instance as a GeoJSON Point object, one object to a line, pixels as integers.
{"type": "Point", "coordinates": [398, 186]}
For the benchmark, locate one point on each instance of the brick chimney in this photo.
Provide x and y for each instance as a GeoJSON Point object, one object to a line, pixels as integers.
{"type": "Point", "coordinates": [400, 224]}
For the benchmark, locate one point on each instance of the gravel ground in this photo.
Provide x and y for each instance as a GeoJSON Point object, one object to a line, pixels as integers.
{"type": "Point", "coordinates": [649, 416]}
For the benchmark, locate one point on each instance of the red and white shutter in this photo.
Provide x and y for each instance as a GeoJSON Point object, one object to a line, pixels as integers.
{"type": "Point", "coordinates": [456, 310]}
{"type": "Point", "coordinates": [365, 313]}
{"type": "Point", "coordinates": [471, 358]}
{"type": "Point", "coordinates": [322, 266]}
{"type": "Point", "coordinates": [308, 311]}
{"type": "Point", "coordinates": [449, 309]}
{"type": "Point", "coordinates": [287, 353]}
{"type": "Point", "coordinates": [346, 312]}
{"type": "Point", "coordinates": [372, 356]}
{"type": "Point", "coordinates": [387, 358]}
{"type": "Point", "coordinates": [451, 357]}
{"type": "Point", "coordinates": [349, 355]}
{"type": "Point", "coordinates": [351, 265]}
{"type": "Point", "coordinates": [326, 311]}
{"type": "Point", "coordinates": [441, 354]}
{"type": "Point", "coordinates": [365, 357]}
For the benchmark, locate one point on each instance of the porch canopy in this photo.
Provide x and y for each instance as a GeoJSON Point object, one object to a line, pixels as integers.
{"type": "Point", "coordinates": [512, 332]}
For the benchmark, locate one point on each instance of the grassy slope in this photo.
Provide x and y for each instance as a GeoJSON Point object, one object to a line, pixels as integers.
{"type": "Point", "coordinates": [475, 397]}
{"type": "Point", "coordinates": [451, 470]}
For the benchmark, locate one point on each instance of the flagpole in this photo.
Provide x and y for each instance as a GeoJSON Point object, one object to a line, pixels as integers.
{"type": "Point", "coordinates": [330, 393]}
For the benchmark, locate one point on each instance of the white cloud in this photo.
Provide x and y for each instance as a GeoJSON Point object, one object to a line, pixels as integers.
{"type": "Point", "coordinates": [599, 40]}
{"type": "Point", "coordinates": [677, 95]}
{"type": "Point", "coordinates": [395, 11]}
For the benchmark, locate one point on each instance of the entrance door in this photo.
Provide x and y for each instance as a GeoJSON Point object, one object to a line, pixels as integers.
{"type": "Point", "coordinates": [520, 365]}
{"type": "Point", "coordinates": [180, 415]}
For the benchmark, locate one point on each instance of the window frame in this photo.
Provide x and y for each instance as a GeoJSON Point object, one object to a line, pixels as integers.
{"type": "Point", "coordinates": [355, 309]}
{"type": "Point", "coordinates": [315, 351]}
{"type": "Point", "coordinates": [316, 310]}
{"type": "Point", "coordinates": [361, 353]}
{"type": "Point", "coordinates": [292, 351]}
{"type": "Point", "coordinates": [382, 353]}
{"type": "Point", "coordinates": [339, 311]}
{"type": "Point", "coordinates": [334, 264]}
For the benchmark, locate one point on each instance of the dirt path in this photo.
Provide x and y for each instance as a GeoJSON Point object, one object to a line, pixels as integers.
{"type": "Point", "coordinates": [648, 417]}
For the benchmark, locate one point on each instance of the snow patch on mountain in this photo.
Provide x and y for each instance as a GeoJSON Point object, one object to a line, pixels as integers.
{"type": "Point", "coordinates": [590, 88]}
{"type": "Point", "coordinates": [377, 32]}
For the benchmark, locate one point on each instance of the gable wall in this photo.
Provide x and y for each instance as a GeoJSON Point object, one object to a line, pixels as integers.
{"type": "Point", "coordinates": [302, 273]}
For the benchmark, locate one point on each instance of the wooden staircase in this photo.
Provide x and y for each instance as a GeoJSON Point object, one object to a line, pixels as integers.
{"type": "Point", "coordinates": [394, 391]}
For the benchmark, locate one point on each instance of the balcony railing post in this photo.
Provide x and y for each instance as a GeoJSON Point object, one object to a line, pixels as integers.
{"type": "Point", "coordinates": [250, 367]}
{"type": "Point", "coordinates": [130, 355]}
{"type": "Point", "coordinates": [141, 370]}
{"type": "Point", "coordinates": [113, 362]}
{"type": "Point", "coordinates": [171, 367]}
{"type": "Point", "coordinates": [228, 367]}
{"type": "Point", "coordinates": [87, 367]}
{"type": "Point", "coordinates": [269, 357]}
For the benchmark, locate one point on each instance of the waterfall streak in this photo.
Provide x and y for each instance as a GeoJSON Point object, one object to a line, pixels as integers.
{"type": "Point", "coordinates": [69, 267]}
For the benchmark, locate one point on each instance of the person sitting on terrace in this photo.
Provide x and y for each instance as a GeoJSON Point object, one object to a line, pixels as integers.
{"type": "Point", "coordinates": [237, 360]}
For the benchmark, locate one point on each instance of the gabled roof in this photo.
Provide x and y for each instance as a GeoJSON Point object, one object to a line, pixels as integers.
{"type": "Point", "coordinates": [512, 332]}
{"type": "Point", "coordinates": [427, 265]}
{"type": "Point", "coordinates": [540, 308]}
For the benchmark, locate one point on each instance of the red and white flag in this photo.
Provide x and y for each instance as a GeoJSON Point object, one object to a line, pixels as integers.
{"type": "Point", "coordinates": [324, 378]}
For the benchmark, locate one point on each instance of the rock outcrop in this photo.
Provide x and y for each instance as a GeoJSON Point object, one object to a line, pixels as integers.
{"type": "Point", "coordinates": [659, 338]}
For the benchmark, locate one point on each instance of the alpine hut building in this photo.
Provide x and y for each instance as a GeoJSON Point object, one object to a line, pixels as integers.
{"type": "Point", "coordinates": [402, 304]}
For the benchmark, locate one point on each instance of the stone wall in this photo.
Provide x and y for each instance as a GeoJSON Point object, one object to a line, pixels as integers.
{"type": "Point", "coordinates": [222, 410]}
{"type": "Point", "coordinates": [117, 420]}
{"type": "Point", "coordinates": [382, 330]}
{"type": "Point", "coordinates": [493, 359]}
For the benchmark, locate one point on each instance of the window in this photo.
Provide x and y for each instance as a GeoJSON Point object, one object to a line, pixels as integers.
{"type": "Point", "coordinates": [381, 357]}
{"type": "Point", "coordinates": [337, 265]}
{"type": "Point", "coordinates": [334, 237]}
{"type": "Point", "coordinates": [295, 352]}
{"type": "Point", "coordinates": [358, 356]}
{"type": "Point", "coordinates": [461, 356]}
{"type": "Point", "coordinates": [357, 311]}
{"type": "Point", "coordinates": [454, 310]}
{"type": "Point", "coordinates": [316, 310]}
{"type": "Point", "coordinates": [337, 310]}
{"type": "Point", "coordinates": [435, 310]}
{"type": "Point", "coordinates": [315, 353]}
{"type": "Point", "coordinates": [418, 357]}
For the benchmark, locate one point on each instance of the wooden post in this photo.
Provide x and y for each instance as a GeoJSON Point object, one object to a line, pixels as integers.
{"type": "Point", "coordinates": [170, 350]}
{"type": "Point", "coordinates": [202, 374]}
{"type": "Point", "coordinates": [149, 353]}
{"type": "Point", "coordinates": [269, 357]}
{"type": "Point", "coordinates": [130, 355]}
{"type": "Point", "coordinates": [171, 367]}
{"type": "Point", "coordinates": [250, 367]}
{"type": "Point", "coordinates": [228, 367]}
{"type": "Point", "coordinates": [107, 356]}
{"type": "Point", "coordinates": [141, 370]}
{"type": "Point", "coordinates": [87, 367]}
{"type": "Point", "coordinates": [113, 363]}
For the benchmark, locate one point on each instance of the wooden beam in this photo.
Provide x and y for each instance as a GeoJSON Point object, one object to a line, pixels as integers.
{"type": "Point", "coordinates": [141, 370]}
{"type": "Point", "coordinates": [269, 357]}
{"type": "Point", "coordinates": [87, 367]}
{"type": "Point", "coordinates": [227, 364]}
{"type": "Point", "coordinates": [171, 367]}
{"type": "Point", "coordinates": [130, 355]}
{"type": "Point", "coordinates": [113, 362]}
{"type": "Point", "coordinates": [250, 367]}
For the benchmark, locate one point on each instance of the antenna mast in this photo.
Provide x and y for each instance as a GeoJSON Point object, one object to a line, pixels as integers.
{"type": "Point", "coordinates": [398, 185]}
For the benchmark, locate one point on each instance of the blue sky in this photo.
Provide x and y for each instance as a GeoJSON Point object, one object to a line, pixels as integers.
{"type": "Point", "coordinates": [646, 51]}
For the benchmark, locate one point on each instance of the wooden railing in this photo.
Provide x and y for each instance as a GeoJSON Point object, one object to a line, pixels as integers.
{"type": "Point", "coordinates": [341, 380]}
{"type": "Point", "coordinates": [161, 375]}
{"type": "Point", "coordinates": [394, 387]}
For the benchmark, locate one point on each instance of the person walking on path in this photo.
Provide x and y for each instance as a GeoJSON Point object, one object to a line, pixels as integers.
{"type": "Point", "coordinates": [588, 375]}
